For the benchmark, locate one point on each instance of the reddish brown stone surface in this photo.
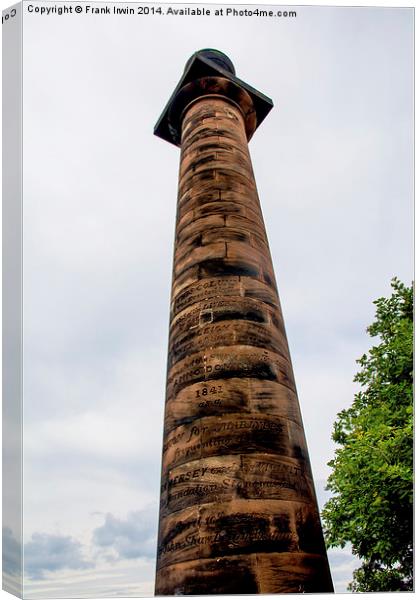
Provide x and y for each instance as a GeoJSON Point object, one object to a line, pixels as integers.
{"type": "Point", "coordinates": [238, 512]}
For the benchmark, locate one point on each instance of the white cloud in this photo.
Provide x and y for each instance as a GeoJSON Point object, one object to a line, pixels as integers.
{"type": "Point", "coordinates": [130, 578]}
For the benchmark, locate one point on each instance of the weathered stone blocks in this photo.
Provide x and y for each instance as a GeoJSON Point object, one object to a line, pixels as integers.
{"type": "Point", "coordinates": [238, 512]}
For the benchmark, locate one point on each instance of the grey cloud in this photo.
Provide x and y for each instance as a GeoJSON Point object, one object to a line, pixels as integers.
{"type": "Point", "coordinates": [343, 564]}
{"type": "Point", "coordinates": [339, 559]}
{"type": "Point", "coordinates": [132, 537]}
{"type": "Point", "coordinates": [12, 553]}
{"type": "Point", "coordinates": [47, 552]}
{"type": "Point", "coordinates": [342, 561]}
{"type": "Point", "coordinates": [321, 493]}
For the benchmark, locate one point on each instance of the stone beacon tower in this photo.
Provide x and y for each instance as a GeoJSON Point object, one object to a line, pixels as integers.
{"type": "Point", "coordinates": [238, 512]}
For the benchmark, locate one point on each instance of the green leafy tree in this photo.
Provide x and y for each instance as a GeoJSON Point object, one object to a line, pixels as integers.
{"type": "Point", "coordinates": [372, 477]}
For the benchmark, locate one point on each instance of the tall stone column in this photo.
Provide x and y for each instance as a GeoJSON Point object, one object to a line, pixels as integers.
{"type": "Point", "coordinates": [238, 512]}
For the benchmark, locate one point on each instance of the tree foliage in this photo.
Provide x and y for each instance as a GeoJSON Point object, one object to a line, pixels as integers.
{"type": "Point", "coordinates": [372, 477]}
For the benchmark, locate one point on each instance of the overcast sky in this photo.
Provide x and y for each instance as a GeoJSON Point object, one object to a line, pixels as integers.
{"type": "Point", "coordinates": [333, 165]}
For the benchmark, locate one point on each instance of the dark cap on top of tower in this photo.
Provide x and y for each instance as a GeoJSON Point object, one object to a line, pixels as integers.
{"type": "Point", "coordinates": [216, 56]}
{"type": "Point", "coordinates": [209, 71]}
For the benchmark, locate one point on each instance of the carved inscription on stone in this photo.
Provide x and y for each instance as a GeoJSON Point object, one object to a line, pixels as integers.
{"type": "Point", "coordinates": [227, 362]}
{"type": "Point", "coordinates": [230, 528]}
{"type": "Point", "coordinates": [225, 396]}
{"type": "Point", "coordinates": [225, 478]}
